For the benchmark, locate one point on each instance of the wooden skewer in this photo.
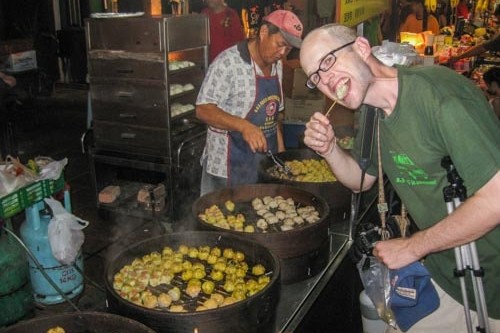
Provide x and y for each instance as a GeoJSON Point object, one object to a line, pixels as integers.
{"type": "Point", "coordinates": [330, 108]}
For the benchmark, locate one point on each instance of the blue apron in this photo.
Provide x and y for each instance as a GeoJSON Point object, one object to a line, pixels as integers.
{"type": "Point", "coordinates": [243, 163]}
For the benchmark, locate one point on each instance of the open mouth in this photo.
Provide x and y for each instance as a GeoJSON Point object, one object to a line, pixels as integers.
{"type": "Point", "coordinates": [342, 88]}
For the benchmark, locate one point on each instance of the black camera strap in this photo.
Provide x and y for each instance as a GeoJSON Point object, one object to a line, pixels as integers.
{"type": "Point", "coordinates": [367, 136]}
{"type": "Point", "coordinates": [369, 117]}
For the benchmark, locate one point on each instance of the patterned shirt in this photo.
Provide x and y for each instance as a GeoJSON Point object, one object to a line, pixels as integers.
{"type": "Point", "coordinates": [229, 84]}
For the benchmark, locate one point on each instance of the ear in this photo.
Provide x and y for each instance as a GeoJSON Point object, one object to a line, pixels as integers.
{"type": "Point", "coordinates": [362, 47]}
{"type": "Point", "coordinates": [263, 31]}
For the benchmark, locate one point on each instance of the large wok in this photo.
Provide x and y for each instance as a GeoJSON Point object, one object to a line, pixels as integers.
{"type": "Point", "coordinates": [302, 251]}
{"type": "Point", "coordinates": [254, 314]}
{"type": "Point", "coordinates": [80, 322]}
{"type": "Point", "coordinates": [335, 194]}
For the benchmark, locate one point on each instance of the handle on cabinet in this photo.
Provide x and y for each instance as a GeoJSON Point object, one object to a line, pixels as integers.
{"type": "Point", "coordinates": [124, 94]}
{"type": "Point", "coordinates": [125, 71]}
{"type": "Point", "coordinates": [127, 135]}
{"type": "Point", "coordinates": [127, 116]}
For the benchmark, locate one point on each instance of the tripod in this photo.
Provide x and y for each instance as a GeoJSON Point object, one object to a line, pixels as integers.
{"type": "Point", "coordinates": [465, 255]}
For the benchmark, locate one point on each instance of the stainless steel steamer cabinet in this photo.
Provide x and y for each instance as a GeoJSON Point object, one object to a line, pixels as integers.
{"type": "Point", "coordinates": [145, 74]}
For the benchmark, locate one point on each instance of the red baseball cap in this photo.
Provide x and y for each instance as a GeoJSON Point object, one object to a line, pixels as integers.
{"type": "Point", "coordinates": [289, 24]}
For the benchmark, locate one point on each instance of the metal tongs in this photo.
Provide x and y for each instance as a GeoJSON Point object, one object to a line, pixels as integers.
{"type": "Point", "coordinates": [282, 167]}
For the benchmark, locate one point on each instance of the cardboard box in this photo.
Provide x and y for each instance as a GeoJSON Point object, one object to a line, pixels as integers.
{"type": "Point", "coordinates": [294, 82]}
{"type": "Point", "coordinates": [21, 61]}
{"type": "Point", "coordinates": [301, 110]}
{"type": "Point", "coordinates": [429, 60]}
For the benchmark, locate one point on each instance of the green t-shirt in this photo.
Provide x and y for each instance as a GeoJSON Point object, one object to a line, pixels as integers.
{"type": "Point", "coordinates": [440, 113]}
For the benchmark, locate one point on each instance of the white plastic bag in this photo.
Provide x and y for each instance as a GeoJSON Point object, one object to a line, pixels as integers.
{"type": "Point", "coordinates": [375, 278]}
{"type": "Point", "coordinates": [65, 233]}
{"type": "Point", "coordinates": [14, 175]}
{"type": "Point", "coordinates": [50, 169]}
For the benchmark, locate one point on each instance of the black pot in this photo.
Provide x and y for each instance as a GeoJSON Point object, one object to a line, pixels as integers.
{"type": "Point", "coordinates": [335, 194]}
{"type": "Point", "coordinates": [80, 322]}
{"type": "Point", "coordinates": [301, 250]}
{"type": "Point", "coordinates": [254, 314]}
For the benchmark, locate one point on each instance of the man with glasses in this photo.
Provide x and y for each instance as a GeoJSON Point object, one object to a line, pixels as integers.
{"type": "Point", "coordinates": [241, 98]}
{"type": "Point", "coordinates": [425, 114]}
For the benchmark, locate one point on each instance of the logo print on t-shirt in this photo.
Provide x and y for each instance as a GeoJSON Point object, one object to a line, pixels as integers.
{"type": "Point", "coordinates": [409, 173]}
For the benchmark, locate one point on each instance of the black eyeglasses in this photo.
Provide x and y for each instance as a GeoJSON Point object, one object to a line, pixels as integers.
{"type": "Point", "coordinates": [325, 64]}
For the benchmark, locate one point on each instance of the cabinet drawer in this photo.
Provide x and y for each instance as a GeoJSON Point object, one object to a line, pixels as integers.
{"type": "Point", "coordinates": [137, 93]}
{"type": "Point", "coordinates": [126, 68]}
{"type": "Point", "coordinates": [132, 139]}
{"type": "Point", "coordinates": [129, 34]}
{"type": "Point", "coordinates": [128, 114]}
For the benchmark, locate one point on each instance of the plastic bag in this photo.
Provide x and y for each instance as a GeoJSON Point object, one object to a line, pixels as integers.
{"type": "Point", "coordinates": [395, 53]}
{"type": "Point", "coordinates": [14, 175]}
{"type": "Point", "coordinates": [65, 233]}
{"type": "Point", "coordinates": [376, 280]}
{"type": "Point", "coordinates": [50, 169]}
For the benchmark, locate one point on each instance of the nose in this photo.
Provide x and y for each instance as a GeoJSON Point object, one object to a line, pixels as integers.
{"type": "Point", "coordinates": [284, 50]}
{"type": "Point", "coordinates": [325, 77]}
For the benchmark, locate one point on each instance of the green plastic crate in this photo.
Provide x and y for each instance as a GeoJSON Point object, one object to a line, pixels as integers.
{"type": "Point", "coordinates": [26, 196]}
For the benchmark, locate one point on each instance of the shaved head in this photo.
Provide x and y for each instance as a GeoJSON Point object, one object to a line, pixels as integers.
{"type": "Point", "coordinates": [335, 32]}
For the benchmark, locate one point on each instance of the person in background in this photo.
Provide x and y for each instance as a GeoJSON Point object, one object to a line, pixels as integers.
{"type": "Point", "coordinates": [492, 79]}
{"type": "Point", "coordinates": [273, 5]}
{"type": "Point", "coordinates": [425, 114]}
{"type": "Point", "coordinates": [240, 100]}
{"type": "Point", "coordinates": [462, 10]}
{"type": "Point", "coordinates": [225, 27]}
{"type": "Point", "coordinates": [419, 20]}
{"type": "Point", "coordinates": [492, 45]}
{"type": "Point", "coordinates": [441, 13]}
{"type": "Point", "coordinates": [252, 12]}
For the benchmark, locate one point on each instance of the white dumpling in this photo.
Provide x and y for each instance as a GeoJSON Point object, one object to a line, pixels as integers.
{"type": "Point", "coordinates": [259, 206]}
{"type": "Point", "coordinates": [267, 199]}
{"type": "Point", "coordinates": [288, 221]}
{"type": "Point", "coordinates": [280, 215]}
{"type": "Point", "coordinates": [262, 212]}
{"type": "Point", "coordinates": [298, 220]}
{"type": "Point", "coordinates": [262, 224]}
{"type": "Point", "coordinates": [272, 204]}
{"type": "Point", "coordinates": [272, 219]}
{"type": "Point", "coordinates": [256, 201]}
{"type": "Point", "coordinates": [284, 206]}
{"type": "Point", "coordinates": [312, 218]}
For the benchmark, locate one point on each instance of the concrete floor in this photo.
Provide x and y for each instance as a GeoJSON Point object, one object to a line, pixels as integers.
{"type": "Point", "coordinates": [52, 126]}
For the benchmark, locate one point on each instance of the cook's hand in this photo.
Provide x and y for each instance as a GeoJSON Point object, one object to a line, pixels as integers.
{"type": "Point", "coordinates": [319, 134]}
{"type": "Point", "coordinates": [395, 253]}
{"type": "Point", "coordinates": [254, 137]}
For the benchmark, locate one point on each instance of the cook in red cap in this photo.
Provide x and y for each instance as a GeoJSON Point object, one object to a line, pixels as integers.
{"type": "Point", "coordinates": [289, 25]}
